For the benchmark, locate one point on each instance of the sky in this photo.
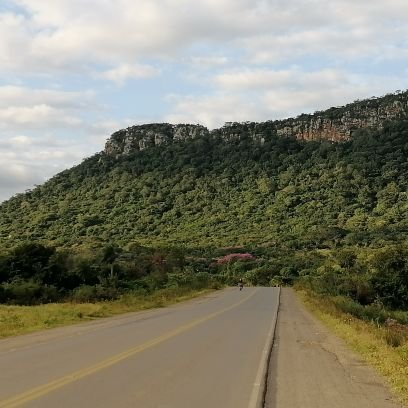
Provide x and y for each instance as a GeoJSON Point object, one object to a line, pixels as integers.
{"type": "Point", "coordinates": [74, 71]}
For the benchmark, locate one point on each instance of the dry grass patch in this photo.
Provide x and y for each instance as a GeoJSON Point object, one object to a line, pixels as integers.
{"type": "Point", "coordinates": [16, 320]}
{"type": "Point", "coordinates": [382, 347]}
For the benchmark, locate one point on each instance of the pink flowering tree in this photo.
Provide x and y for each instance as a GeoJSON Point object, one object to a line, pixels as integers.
{"type": "Point", "coordinates": [230, 268]}
{"type": "Point", "coordinates": [235, 257]}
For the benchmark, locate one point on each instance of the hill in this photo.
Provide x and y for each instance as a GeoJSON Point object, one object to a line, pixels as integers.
{"type": "Point", "coordinates": [243, 183]}
{"type": "Point", "coordinates": [285, 188]}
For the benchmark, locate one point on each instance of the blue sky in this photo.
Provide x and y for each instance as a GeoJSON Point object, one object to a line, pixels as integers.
{"type": "Point", "coordinates": [74, 71]}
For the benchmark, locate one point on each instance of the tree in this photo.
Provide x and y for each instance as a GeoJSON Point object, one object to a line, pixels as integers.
{"type": "Point", "coordinates": [109, 255]}
{"type": "Point", "coordinates": [29, 261]}
{"type": "Point", "coordinates": [390, 276]}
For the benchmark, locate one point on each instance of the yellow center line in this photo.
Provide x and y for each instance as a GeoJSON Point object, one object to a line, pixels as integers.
{"type": "Point", "coordinates": [42, 390]}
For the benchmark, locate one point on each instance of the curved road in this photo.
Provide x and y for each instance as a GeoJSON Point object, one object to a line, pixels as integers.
{"type": "Point", "coordinates": [209, 352]}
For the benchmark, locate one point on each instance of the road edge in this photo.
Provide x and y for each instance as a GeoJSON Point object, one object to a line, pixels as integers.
{"type": "Point", "coordinates": [257, 399]}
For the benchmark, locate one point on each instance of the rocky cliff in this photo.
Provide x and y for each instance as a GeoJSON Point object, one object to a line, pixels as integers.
{"type": "Point", "coordinates": [338, 124]}
{"type": "Point", "coordinates": [137, 138]}
{"type": "Point", "coordinates": [334, 124]}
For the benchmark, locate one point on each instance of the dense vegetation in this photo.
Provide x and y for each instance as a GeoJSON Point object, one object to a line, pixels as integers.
{"type": "Point", "coordinates": [333, 216]}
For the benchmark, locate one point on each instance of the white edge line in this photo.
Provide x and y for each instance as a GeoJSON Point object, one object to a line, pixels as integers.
{"type": "Point", "coordinates": [258, 391]}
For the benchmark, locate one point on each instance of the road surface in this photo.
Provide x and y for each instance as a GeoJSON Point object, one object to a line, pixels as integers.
{"type": "Point", "coordinates": [209, 352]}
{"type": "Point", "coordinates": [311, 368]}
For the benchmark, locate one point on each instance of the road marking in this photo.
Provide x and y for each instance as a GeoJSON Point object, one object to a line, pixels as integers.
{"type": "Point", "coordinates": [42, 390]}
{"type": "Point", "coordinates": [258, 390]}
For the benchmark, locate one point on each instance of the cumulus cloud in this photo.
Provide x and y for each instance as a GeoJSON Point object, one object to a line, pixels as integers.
{"type": "Point", "coordinates": [342, 30]}
{"type": "Point", "coordinates": [253, 79]}
{"type": "Point", "coordinates": [24, 108]}
{"type": "Point", "coordinates": [222, 60]}
{"type": "Point", "coordinates": [56, 35]}
{"type": "Point", "coordinates": [29, 160]}
{"type": "Point", "coordinates": [24, 96]}
{"type": "Point", "coordinates": [61, 33]}
{"type": "Point", "coordinates": [259, 95]}
{"type": "Point", "coordinates": [209, 61]}
{"type": "Point", "coordinates": [38, 116]}
{"type": "Point", "coordinates": [213, 110]}
{"type": "Point", "coordinates": [123, 72]}
{"type": "Point", "coordinates": [16, 179]}
{"type": "Point", "coordinates": [42, 131]}
{"type": "Point", "coordinates": [88, 35]}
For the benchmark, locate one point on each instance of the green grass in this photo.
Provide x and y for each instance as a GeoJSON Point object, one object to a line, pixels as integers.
{"type": "Point", "coordinates": [16, 320]}
{"type": "Point", "coordinates": [384, 348]}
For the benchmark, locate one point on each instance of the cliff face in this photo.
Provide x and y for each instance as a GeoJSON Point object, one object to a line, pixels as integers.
{"type": "Point", "coordinates": [335, 124]}
{"type": "Point", "coordinates": [137, 138]}
{"type": "Point", "coordinates": [338, 124]}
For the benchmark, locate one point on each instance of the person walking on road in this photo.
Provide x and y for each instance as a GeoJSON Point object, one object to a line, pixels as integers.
{"type": "Point", "coordinates": [240, 284]}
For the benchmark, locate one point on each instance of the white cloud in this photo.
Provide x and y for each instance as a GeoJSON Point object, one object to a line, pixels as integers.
{"type": "Point", "coordinates": [24, 96]}
{"type": "Point", "coordinates": [12, 174]}
{"type": "Point", "coordinates": [123, 72]}
{"type": "Point", "coordinates": [15, 178]}
{"type": "Point", "coordinates": [260, 95]}
{"type": "Point", "coordinates": [209, 61]}
{"type": "Point", "coordinates": [76, 35]}
{"type": "Point", "coordinates": [213, 110]}
{"type": "Point", "coordinates": [24, 109]}
{"type": "Point", "coordinates": [27, 160]}
{"type": "Point", "coordinates": [35, 117]}
{"type": "Point", "coordinates": [306, 92]}
{"type": "Point", "coordinates": [60, 34]}
{"type": "Point", "coordinates": [343, 31]}
{"type": "Point", "coordinates": [21, 140]}
{"type": "Point", "coordinates": [13, 36]}
{"type": "Point", "coordinates": [43, 131]}
{"type": "Point", "coordinates": [227, 60]}
{"type": "Point", "coordinates": [246, 79]}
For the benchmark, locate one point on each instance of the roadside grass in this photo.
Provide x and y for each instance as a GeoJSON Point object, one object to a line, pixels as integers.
{"type": "Point", "coordinates": [16, 320]}
{"type": "Point", "coordinates": [385, 348]}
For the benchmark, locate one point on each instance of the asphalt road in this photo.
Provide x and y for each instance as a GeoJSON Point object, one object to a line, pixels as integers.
{"type": "Point", "coordinates": [204, 353]}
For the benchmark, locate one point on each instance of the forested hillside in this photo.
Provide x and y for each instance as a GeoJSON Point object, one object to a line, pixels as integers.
{"type": "Point", "coordinates": [333, 214]}
{"type": "Point", "coordinates": [207, 192]}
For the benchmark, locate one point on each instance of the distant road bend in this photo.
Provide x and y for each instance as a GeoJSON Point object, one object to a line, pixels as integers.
{"type": "Point", "coordinates": [210, 352]}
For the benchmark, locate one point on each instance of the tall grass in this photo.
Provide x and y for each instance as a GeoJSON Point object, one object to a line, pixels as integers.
{"type": "Point", "coordinates": [16, 320]}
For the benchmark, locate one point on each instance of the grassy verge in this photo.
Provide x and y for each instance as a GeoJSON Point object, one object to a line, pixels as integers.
{"type": "Point", "coordinates": [16, 320]}
{"type": "Point", "coordinates": [373, 342]}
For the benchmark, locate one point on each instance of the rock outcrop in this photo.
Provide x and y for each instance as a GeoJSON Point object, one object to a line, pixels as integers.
{"type": "Point", "coordinates": [334, 124]}
{"type": "Point", "coordinates": [137, 138]}
{"type": "Point", "coordinates": [338, 124]}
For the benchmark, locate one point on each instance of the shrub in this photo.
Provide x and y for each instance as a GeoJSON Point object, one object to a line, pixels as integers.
{"type": "Point", "coordinates": [83, 294]}
{"type": "Point", "coordinates": [23, 292]}
{"type": "Point", "coordinates": [87, 293]}
{"type": "Point", "coordinates": [394, 338]}
{"type": "Point", "coordinates": [3, 294]}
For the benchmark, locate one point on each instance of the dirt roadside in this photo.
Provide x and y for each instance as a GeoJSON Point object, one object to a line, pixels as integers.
{"type": "Point", "coordinates": [312, 368]}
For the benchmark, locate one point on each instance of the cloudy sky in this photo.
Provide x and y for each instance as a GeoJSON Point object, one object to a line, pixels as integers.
{"type": "Point", "coordinates": [74, 71]}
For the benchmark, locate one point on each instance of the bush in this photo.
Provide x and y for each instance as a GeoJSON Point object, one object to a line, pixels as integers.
{"type": "Point", "coordinates": [390, 276]}
{"type": "Point", "coordinates": [394, 338]}
{"type": "Point", "coordinates": [3, 294]}
{"type": "Point", "coordinates": [259, 276]}
{"type": "Point", "coordinates": [87, 293]}
{"type": "Point", "coordinates": [83, 294]}
{"type": "Point", "coordinates": [49, 294]}
{"type": "Point", "coordinates": [23, 292]}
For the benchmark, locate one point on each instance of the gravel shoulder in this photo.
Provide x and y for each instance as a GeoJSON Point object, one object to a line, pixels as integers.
{"type": "Point", "coordinates": [311, 368]}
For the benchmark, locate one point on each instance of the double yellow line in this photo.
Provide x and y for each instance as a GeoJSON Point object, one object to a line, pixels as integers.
{"type": "Point", "coordinates": [42, 390]}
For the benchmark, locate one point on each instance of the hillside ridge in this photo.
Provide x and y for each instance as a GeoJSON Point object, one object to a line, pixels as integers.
{"type": "Point", "coordinates": [240, 184]}
{"type": "Point", "coordinates": [334, 124]}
